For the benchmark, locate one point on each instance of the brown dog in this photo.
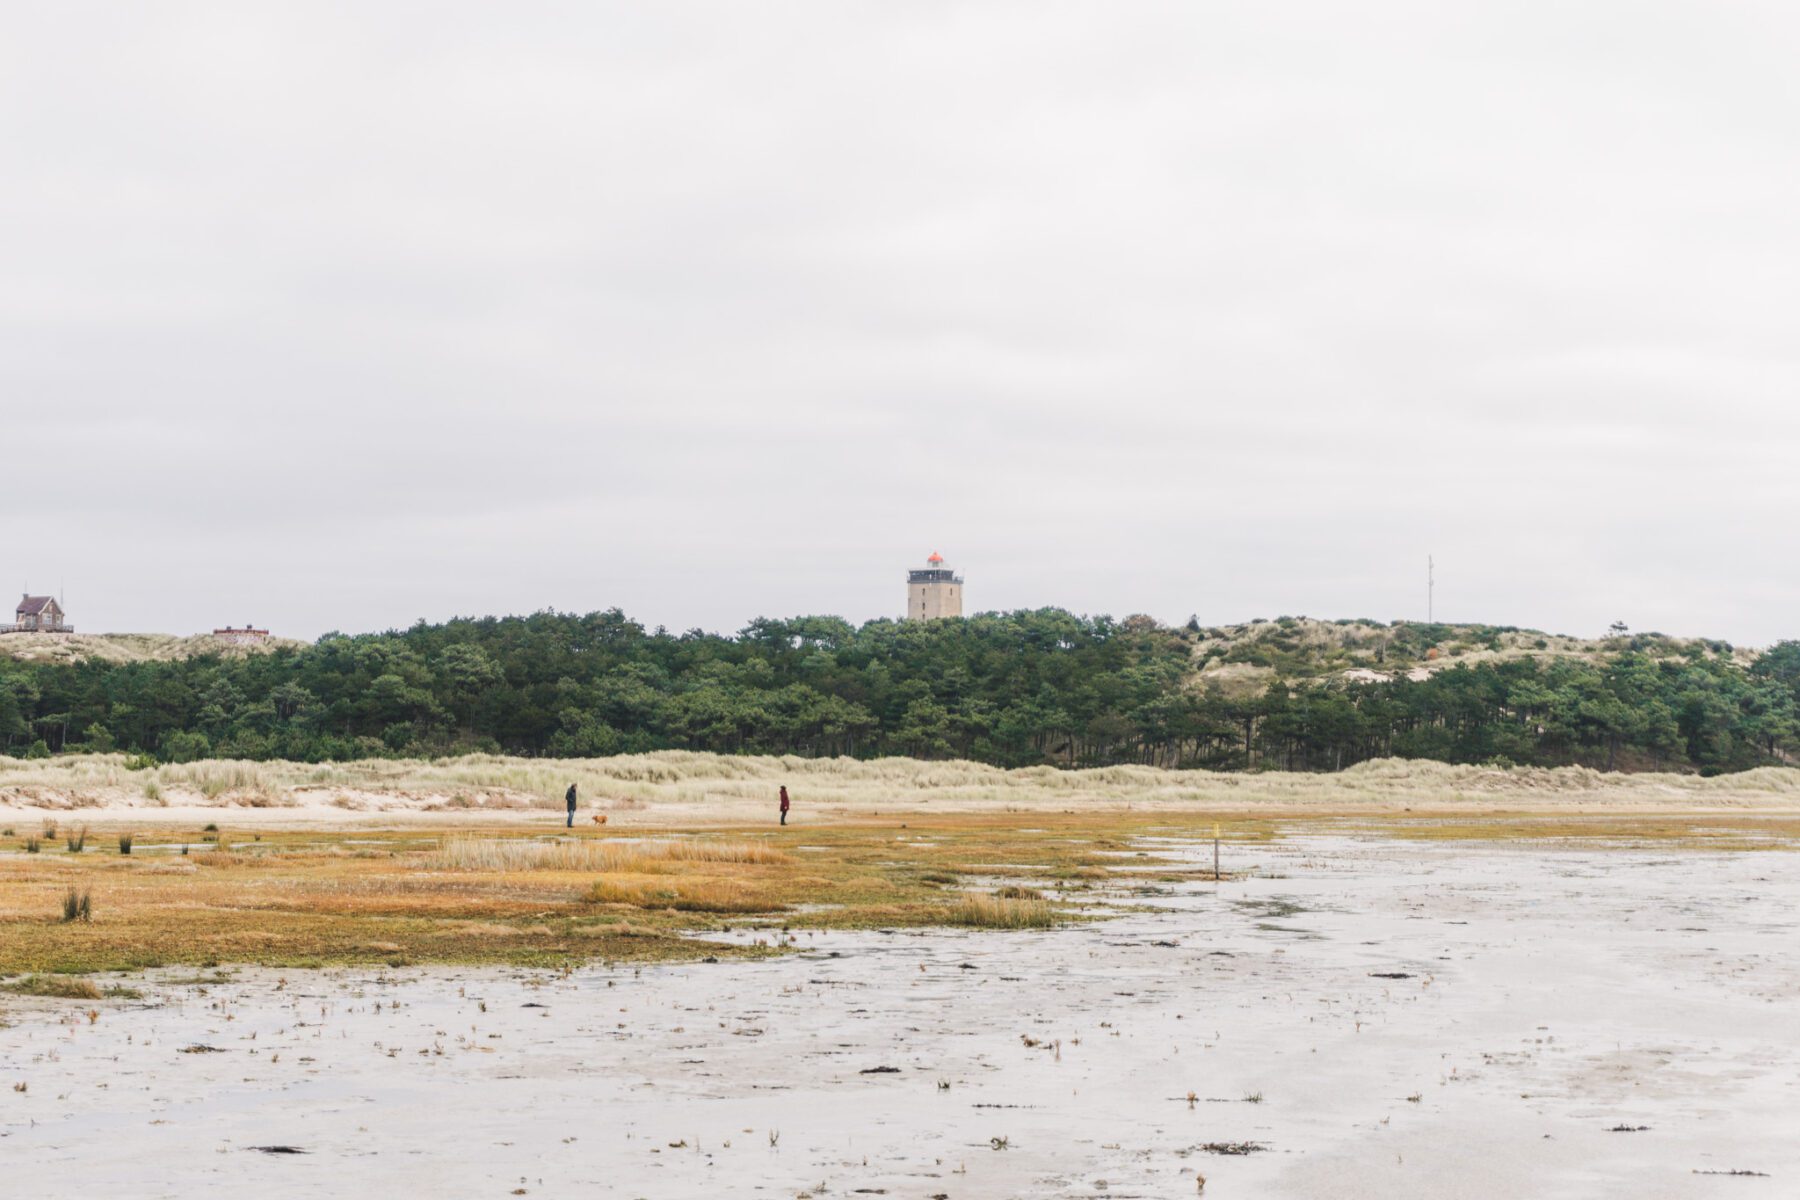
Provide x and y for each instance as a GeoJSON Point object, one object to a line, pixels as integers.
{"type": "Point", "coordinates": [599, 818]}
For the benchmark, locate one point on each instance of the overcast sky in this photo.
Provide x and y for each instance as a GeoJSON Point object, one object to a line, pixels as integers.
{"type": "Point", "coordinates": [334, 316]}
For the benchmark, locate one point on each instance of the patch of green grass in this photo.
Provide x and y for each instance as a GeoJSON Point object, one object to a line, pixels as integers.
{"type": "Point", "coordinates": [200, 979]}
{"type": "Point", "coordinates": [67, 987]}
{"type": "Point", "coordinates": [1273, 908]}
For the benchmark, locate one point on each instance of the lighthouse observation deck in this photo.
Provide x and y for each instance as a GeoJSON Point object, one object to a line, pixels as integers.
{"type": "Point", "coordinates": [933, 591]}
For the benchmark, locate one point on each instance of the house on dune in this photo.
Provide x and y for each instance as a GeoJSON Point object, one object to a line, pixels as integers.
{"type": "Point", "coordinates": [39, 614]}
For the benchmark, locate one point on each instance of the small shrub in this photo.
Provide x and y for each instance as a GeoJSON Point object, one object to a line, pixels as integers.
{"type": "Point", "coordinates": [1013, 891]}
{"type": "Point", "coordinates": [77, 906]}
{"type": "Point", "coordinates": [77, 841]}
{"type": "Point", "coordinates": [125, 843]}
{"type": "Point", "coordinates": [209, 827]}
{"type": "Point", "coordinates": [31, 845]}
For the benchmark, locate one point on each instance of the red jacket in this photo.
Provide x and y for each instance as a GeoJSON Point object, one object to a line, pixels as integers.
{"type": "Point", "coordinates": [784, 800]}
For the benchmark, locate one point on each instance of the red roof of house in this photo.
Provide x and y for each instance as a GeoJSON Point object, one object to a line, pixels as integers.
{"type": "Point", "coordinates": [32, 606]}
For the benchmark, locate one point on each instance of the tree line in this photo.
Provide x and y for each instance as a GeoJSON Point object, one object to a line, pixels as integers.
{"type": "Point", "coordinates": [1012, 689]}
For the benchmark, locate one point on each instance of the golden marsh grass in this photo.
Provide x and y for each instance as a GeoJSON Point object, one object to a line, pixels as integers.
{"type": "Point", "coordinates": [1001, 912]}
{"type": "Point", "coordinates": [308, 897]}
{"type": "Point", "coordinates": [513, 854]}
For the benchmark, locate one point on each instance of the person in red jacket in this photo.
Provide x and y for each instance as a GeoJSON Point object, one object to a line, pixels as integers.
{"type": "Point", "coordinates": [784, 805]}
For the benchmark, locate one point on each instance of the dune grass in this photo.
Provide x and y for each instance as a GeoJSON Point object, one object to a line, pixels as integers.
{"type": "Point", "coordinates": [690, 778]}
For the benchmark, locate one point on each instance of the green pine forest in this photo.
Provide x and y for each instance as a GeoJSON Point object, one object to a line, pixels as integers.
{"type": "Point", "coordinates": [1012, 689]}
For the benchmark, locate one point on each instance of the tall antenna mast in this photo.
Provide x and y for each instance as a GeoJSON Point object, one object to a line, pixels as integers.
{"type": "Point", "coordinates": [1430, 591]}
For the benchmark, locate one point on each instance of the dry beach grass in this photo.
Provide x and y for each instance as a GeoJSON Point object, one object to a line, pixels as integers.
{"type": "Point", "coordinates": [693, 788]}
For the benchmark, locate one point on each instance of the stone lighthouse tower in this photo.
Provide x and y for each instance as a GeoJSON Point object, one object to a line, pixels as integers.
{"type": "Point", "coordinates": [933, 592]}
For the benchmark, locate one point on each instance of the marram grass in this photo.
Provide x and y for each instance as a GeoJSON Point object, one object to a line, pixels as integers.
{"type": "Point", "coordinates": [891, 784]}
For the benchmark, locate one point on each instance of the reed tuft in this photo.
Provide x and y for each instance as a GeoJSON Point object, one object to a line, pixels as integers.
{"type": "Point", "coordinates": [1000, 912]}
{"type": "Point", "coordinates": [77, 906]}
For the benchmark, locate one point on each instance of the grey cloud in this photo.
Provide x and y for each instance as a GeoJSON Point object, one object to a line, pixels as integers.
{"type": "Point", "coordinates": [351, 314]}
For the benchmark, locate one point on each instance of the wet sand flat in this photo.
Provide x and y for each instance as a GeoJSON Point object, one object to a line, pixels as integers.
{"type": "Point", "coordinates": [1358, 1015]}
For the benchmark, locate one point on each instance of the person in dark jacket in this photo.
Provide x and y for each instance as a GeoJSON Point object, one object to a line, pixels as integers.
{"type": "Point", "coordinates": [570, 800]}
{"type": "Point", "coordinates": [784, 805]}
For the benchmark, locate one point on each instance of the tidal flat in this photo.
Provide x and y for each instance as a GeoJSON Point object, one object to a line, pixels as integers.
{"type": "Point", "coordinates": [1372, 1008]}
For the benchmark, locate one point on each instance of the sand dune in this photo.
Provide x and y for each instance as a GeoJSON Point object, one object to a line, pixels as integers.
{"type": "Point", "coordinates": [678, 786]}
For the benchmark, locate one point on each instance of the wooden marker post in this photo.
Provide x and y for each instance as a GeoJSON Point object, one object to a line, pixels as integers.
{"type": "Point", "coordinates": [1215, 854]}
